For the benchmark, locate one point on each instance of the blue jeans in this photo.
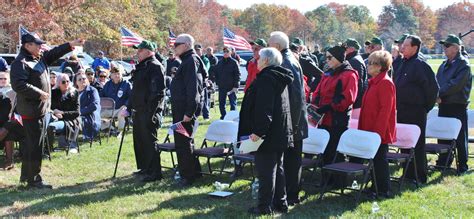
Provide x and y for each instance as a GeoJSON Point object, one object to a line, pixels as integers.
{"type": "Point", "coordinates": [222, 101]}
{"type": "Point", "coordinates": [206, 104]}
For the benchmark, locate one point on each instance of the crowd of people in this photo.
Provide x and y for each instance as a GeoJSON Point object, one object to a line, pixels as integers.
{"type": "Point", "coordinates": [283, 78]}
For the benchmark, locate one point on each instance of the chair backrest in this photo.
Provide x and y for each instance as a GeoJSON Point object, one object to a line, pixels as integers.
{"type": "Point", "coordinates": [443, 128]}
{"type": "Point", "coordinates": [222, 131]}
{"type": "Point", "coordinates": [470, 119]}
{"type": "Point", "coordinates": [407, 136]}
{"type": "Point", "coordinates": [107, 103]}
{"type": "Point", "coordinates": [316, 142]}
{"type": "Point", "coordinates": [353, 123]}
{"type": "Point", "coordinates": [358, 143]}
{"type": "Point", "coordinates": [232, 116]}
{"type": "Point", "coordinates": [432, 113]}
{"type": "Point", "coordinates": [355, 113]}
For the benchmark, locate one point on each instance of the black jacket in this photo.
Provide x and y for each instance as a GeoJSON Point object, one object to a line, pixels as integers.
{"type": "Point", "coordinates": [227, 74]}
{"type": "Point", "coordinates": [29, 76]}
{"type": "Point", "coordinates": [310, 70]}
{"type": "Point", "coordinates": [213, 60]}
{"type": "Point", "coordinates": [416, 84]}
{"type": "Point", "coordinates": [186, 87]}
{"type": "Point", "coordinates": [148, 87]}
{"type": "Point", "coordinates": [265, 109]}
{"type": "Point", "coordinates": [455, 81]}
{"type": "Point", "coordinates": [357, 63]}
{"type": "Point", "coordinates": [170, 63]}
{"type": "Point", "coordinates": [69, 104]}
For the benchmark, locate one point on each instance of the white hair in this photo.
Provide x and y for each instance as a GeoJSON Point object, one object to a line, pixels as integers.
{"type": "Point", "coordinates": [272, 55]}
{"type": "Point", "coordinates": [185, 38]}
{"type": "Point", "coordinates": [280, 38]}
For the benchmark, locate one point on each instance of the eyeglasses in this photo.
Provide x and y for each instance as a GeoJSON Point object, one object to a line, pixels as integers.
{"type": "Point", "coordinates": [177, 44]}
{"type": "Point", "coordinates": [226, 51]}
{"type": "Point", "coordinates": [1, 79]}
{"type": "Point", "coordinates": [373, 63]}
{"type": "Point", "coordinates": [90, 74]}
{"type": "Point", "coordinates": [329, 57]}
{"type": "Point", "coordinates": [447, 45]}
{"type": "Point", "coordinates": [65, 82]}
{"type": "Point", "coordinates": [81, 79]}
{"type": "Point", "coordinates": [102, 76]}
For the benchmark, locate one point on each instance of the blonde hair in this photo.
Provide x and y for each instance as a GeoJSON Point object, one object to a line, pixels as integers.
{"type": "Point", "coordinates": [382, 58]}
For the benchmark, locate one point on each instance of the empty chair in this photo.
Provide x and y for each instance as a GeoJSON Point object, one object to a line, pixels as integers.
{"type": "Point", "coordinates": [432, 113]}
{"type": "Point", "coordinates": [443, 128]}
{"type": "Point", "coordinates": [315, 144]}
{"type": "Point", "coordinates": [232, 116]}
{"type": "Point", "coordinates": [220, 131]}
{"type": "Point", "coordinates": [107, 103]}
{"type": "Point", "coordinates": [407, 137]}
{"type": "Point", "coordinates": [355, 143]}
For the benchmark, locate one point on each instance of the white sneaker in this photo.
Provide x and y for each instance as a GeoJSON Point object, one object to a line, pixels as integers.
{"type": "Point", "coordinates": [73, 151]}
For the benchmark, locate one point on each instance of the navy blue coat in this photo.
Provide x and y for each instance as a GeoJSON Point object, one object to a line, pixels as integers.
{"type": "Point", "coordinates": [89, 103]}
{"type": "Point", "coordinates": [120, 92]}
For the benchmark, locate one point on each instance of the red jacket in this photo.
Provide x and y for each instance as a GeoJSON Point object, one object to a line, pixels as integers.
{"type": "Point", "coordinates": [325, 92]}
{"type": "Point", "coordinates": [379, 107]}
{"type": "Point", "coordinates": [252, 72]}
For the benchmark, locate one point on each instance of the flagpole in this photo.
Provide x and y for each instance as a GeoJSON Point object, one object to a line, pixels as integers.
{"type": "Point", "coordinates": [19, 39]}
{"type": "Point", "coordinates": [121, 46]}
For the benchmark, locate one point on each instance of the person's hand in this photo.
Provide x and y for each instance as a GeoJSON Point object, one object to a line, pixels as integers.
{"type": "Point", "coordinates": [254, 137]}
{"type": "Point", "coordinates": [438, 100]}
{"type": "Point", "coordinates": [56, 111]}
{"type": "Point", "coordinates": [235, 90]}
{"type": "Point", "coordinates": [186, 119]}
{"type": "Point", "coordinates": [77, 42]}
{"type": "Point", "coordinates": [59, 116]}
{"type": "Point", "coordinates": [44, 95]}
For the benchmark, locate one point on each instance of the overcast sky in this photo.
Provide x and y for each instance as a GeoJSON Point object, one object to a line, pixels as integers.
{"type": "Point", "coordinates": [375, 6]}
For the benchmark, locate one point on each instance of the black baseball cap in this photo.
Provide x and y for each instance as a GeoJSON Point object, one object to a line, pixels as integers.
{"type": "Point", "coordinates": [29, 38]}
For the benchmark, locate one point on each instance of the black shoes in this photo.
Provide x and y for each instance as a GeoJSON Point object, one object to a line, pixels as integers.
{"type": "Point", "coordinates": [139, 172]}
{"type": "Point", "coordinates": [152, 177]}
{"type": "Point", "coordinates": [39, 185]}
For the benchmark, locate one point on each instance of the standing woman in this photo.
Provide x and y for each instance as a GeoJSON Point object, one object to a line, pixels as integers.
{"type": "Point", "coordinates": [265, 113]}
{"type": "Point", "coordinates": [65, 106]}
{"type": "Point", "coordinates": [334, 96]}
{"type": "Point", "coordinates": [378, 114]}
{"type": "Point", "coordinates": [89, 102]}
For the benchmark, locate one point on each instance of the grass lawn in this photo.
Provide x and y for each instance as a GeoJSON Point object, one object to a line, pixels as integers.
{"type": "Point", "coordinates": [84, 188]}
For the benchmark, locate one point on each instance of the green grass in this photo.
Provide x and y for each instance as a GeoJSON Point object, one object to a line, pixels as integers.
{"type": "Point", "coordinates": [84, 188]}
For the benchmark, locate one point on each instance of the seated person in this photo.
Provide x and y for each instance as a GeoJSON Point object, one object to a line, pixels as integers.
{"type": "Point", "coordinates": [65, 116]}
{"type": "Point", "coordinates": [89, 102]}
{"type": "Point", "coordinates": [103, 75]}
{"type": "Point", "coordinates": [52, 77]}
{"type": "Point", "coordinates": [119, 90]}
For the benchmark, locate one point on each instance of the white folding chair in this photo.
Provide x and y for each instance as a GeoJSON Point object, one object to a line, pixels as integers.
{"type": "Point", "coordinates": [168, 146]}
{"type": "Point", "coordinates": [220, 131]}
{"type": "Point", "coordinates": [314, 145]}
{"type": "Point", "coordinates": [407, 137]}
{"type": "Point", "coordinates": [232, 116]}
{"type": "Point", "coordinates": [443, 128]}
{"type": "Point", "coordinates": [354, 143]}
{"type": "Point", "coordinates": [432, 113]}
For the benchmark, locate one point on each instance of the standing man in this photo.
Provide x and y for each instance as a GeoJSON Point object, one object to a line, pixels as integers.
{"type": "Point", "coordinates": [206, 101]}
{"type": "Point", "coordinates": [292, 157]}
{"type": "Point", "coordinates": [30, 80]}
{"type": "Point", "coordinates": [455, 81]}
{"type": "Point", "coordinates": [171, 62]}
{"type": "Point", "coordinates": [398, 60]}
{"type": "Point", "coordinates": [252, 68]}
{"type": "Point", "coordinates": [146, 105]}
{"type": "Point", "coordinates": [227, 79]}
{"type": "Point", "coordinates": [213, 60]}
{"type": "Point", "coordinates": [186, 89]}
{"type": "Point", "coordinates": [357, 63]}
{"type": "Point", "coordinates": [101, 60]}
{"type": "Point", "coordinates": [417, 91]}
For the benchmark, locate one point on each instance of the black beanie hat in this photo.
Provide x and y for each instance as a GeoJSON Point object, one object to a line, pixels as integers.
{"type": "Point", "coordinates": [338, 52]}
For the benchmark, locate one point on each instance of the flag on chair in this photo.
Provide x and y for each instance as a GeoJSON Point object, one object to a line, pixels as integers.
{"type": "Point", "coordinates": [179, 128]}
{"type": "Point", "coordinates": [171, 38]}
{"type": "Point", "coordinates": [23, 31]}
{"type": "Point", "coordinates": [129, 38]}
{"type": "Point", "coordinates": [236, 41]}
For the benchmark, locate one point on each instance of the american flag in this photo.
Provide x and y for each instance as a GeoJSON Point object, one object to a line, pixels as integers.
{"type": "Point", "coordinates": [236, 41]}
{"type": "Point", "coordinates": [23, 31]}
{"type": "Point", "coordinates": [171, 38]}
{"type": "Point", "coordinates": [179, 128]}
{"type": "Point", "coordinates": [16, 117]}
{"type": "Point", "coordinates": [129, 38]}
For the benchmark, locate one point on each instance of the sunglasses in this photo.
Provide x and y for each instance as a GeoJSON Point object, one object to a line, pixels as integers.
{"type": "Point", "coordinates": [65, 82]}
{"type": "Point", "coordinates": [447, 45]}
{"type": "Point", "coordinates": [177, 44]}
{"type": "Point", "coordinates": [329, 57]}
{"type": "Point", "coordinates": [226, 51]}
{"type": "Point", "coordinates": [1, 79]}
{"type": "Point", "coordinates": [102, 76]}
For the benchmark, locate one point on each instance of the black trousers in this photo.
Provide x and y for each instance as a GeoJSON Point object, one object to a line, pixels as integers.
{"type": "Point", "coordinates": [457, 111]}
{"type": "Point", "coordinates": [271, 177]}
{"type": "Point", "coordinates": [188, 164]}
{"type": "Point", "coordinates": [292, 165]}
{"type": "Point", "coordinates": [416, 116]}
{"type": "Point", "coordinates": [382, 174]}
{"type": "Point", "coordinates": [335, 134]}
{"type": "Point", "coordinates": [144, 141]}
{"type": "Point", "coordinates": [33, 150]}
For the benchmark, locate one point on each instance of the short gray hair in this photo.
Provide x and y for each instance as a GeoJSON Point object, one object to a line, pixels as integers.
{"type": "Point", "coordinates": [185, 38]}
{"type": "Point", "coordinates": [280, 38]}
{"type": "Point", "coordinates": [272, 55]}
